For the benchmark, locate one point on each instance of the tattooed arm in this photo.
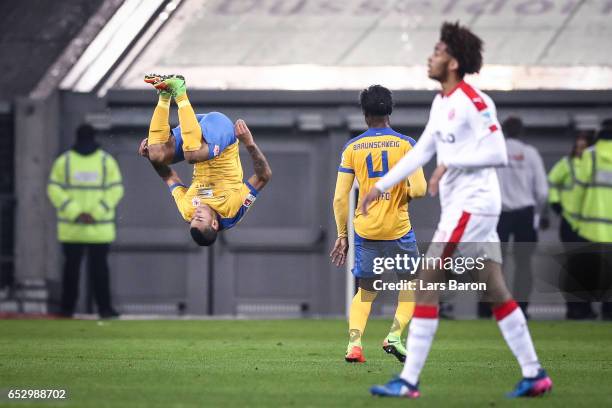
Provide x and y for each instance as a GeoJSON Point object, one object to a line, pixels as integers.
{"type": "Point", "coordinates": [263, 173]}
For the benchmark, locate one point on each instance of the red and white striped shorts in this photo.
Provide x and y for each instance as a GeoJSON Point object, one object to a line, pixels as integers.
{"type": "Point", "coordinates": [462, 234]}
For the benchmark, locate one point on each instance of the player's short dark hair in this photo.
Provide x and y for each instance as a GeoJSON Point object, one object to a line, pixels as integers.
{"type": "Point", "coordinates": [376, 100]}
{"type": "Point", "coordinates": [513, 126]}
{"type": "Point", "coordinates": [464, 46]}
{"type": "Point", "coordinates": [205, 237]}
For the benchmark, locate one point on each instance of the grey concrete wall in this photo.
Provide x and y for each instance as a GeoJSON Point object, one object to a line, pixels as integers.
{"type": "Point", "coordinates": [36, 138]}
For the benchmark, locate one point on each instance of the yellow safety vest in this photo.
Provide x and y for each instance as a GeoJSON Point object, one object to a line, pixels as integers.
{"type": "Point", "coordinates": [564, 190]}
{"type": "Point", "coordinates": [594, 175]}
{"type": "Point", "coordinates": [85, 184]}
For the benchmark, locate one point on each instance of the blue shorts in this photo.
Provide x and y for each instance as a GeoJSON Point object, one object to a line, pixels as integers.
{"type": "Point", "coordinates": [367, 250]}
{"type": "Point", "coordinates": [217, 133]}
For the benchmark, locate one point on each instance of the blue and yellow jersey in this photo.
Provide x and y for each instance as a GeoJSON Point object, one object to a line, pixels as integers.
{"type": "Point", "coordinates": [368, 157]}
{"type": "Point", "coordinates": [223, 170]}
{"type": "Point", "coordinates": [217, 133]}
{"type": "Point", "coordinates": [217, 181]}
{"type": "Point", "coordinates": [230, 205]}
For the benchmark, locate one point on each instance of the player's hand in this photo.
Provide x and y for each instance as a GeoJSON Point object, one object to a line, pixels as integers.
{"type": "Point", "coordinates": [338, 254]}
{"type": "Point", "coordinates": [143, 149]}
{"type": "Point", "coordinates": [434, 181]}
{"type": "Point", "coordinates": [368, 199]}
{"type": "Point", "coordinates": [243, 133]}
{"type": "Point", "coordinates": [85, 218]}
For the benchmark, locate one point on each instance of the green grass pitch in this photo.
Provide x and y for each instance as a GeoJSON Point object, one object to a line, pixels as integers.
{"type": "Point", "coordinates": [288, 363]}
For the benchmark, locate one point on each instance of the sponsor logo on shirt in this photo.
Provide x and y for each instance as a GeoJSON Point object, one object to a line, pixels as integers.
{"type": "Point", "coordinates": [216, 150]}
{"type": "Point", "coordinates": [205, 192]}
{"type": "Point", "coordinates": [250, 198]}
{"type": "Point", "coordinates": [488, 119]}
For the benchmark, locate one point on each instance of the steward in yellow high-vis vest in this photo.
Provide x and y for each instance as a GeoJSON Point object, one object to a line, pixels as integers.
{"type": "Point", "coordinates": [564, 197]}
{"type": "Point", "coordinates": [594, 176]}
{"type": "Point", "coordinates": [562, 188]}
{"type": "Point", "coordinates": [85, 187]}
{"type": "Point", "coordinates": [85, 184]}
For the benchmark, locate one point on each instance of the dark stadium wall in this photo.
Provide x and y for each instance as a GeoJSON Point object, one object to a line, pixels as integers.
{"type": "Point", "coordinates": [36, 28]}
{"type": "Point", "coordinates": [37, 124]}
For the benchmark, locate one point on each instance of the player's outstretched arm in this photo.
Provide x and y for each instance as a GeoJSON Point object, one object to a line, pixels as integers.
{"type": "Point", "coordinates": [159, 153]}
{"type": "Point", "coordinates": [164, 171]}
{"type": "Point", "coordinates": [167, 174]}
{"type": "Point", "coordinates": [263, 172]}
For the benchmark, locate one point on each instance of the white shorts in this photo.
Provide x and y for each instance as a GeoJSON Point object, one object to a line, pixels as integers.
{"type": "Point", "coordinates": [461, 234]}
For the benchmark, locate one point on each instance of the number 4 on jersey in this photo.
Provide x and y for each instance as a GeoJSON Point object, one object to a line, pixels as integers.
{"type": "Point", "coordinates": [385, 165]}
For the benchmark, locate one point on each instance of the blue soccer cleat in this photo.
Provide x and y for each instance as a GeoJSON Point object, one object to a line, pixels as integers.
{"type": "Point", "coordinates": [532, 387]}
{"type": "Point", "coordinates": [397, 387]}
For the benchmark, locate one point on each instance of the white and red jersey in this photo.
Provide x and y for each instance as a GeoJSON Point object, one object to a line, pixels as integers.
{"type": "Point", "coordinates": [464, 132]}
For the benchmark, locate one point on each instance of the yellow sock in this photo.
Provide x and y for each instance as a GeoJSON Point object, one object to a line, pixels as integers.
{"type": "Point", "coordinates": [358, 317]}
{"type": "Point", "coordinates": [159, 129]}
{"type": "Point", "coordinates": [403, 313]}
{"type": "Point", "coordinates": [190, 128]}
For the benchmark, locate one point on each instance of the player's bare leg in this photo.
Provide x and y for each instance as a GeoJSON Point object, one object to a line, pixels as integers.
{"type": "Point", "coordinates": [513, 326]}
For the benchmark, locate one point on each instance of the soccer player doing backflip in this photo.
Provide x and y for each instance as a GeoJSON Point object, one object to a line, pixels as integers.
{"type": "Point", "coordinates": [464, 133]}
{"type": "Point", "coordinates": [217, 198]}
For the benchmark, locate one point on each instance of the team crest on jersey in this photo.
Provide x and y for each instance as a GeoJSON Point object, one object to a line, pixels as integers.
{"type": "Point", "coordinates": [216, 150]}
{"type": "Point", "coordinates": [195, 202]}
{"type": "Point", "coordinates": [451, 114]}
{"type": "Point", "coordinates": [248, 201]}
